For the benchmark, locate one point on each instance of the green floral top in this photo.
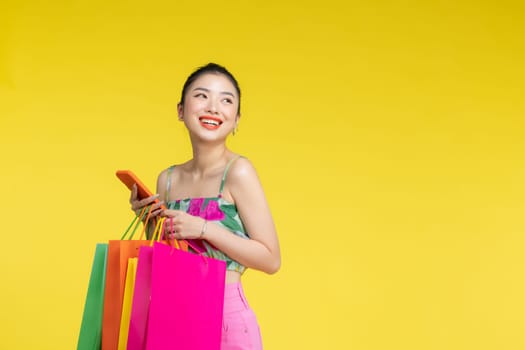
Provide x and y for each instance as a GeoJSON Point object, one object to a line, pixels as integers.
{"type": "Point", "coordinates": [216, 209]}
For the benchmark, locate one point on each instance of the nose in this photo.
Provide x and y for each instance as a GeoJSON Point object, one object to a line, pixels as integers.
{"type": "Point", "coordinates": [212, 106]}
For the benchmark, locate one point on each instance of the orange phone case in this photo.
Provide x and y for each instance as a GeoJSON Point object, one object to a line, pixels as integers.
{"type": "Point", "coordinates": [129, 178]}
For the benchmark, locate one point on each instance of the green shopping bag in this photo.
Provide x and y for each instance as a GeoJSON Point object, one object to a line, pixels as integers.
{"type": "Point", "coordinates": [91, 328]}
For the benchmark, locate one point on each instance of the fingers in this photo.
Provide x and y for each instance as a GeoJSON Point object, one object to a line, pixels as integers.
{"type": "Point", "coordinates": [172, 228]}
{"type": "Point", "coordinates": [156, 212]}
{"type": "Point", "coordinates": [170, 213]}
{"type": "Point", "coordinates": [171, 225]}
{"type": "Point", "coordinates": [146, 201]}
{"type": "Point", "coordinates": [178, 225]}
{"type": "Point", "coordinates": [152, 211]}
{"type": "Point", "coordinates": [139, 204]}
{"type": "Point", "coordinates": [156, 208]}
{"type": "Point", "coordinates": [133, 196]}
{"type": "Point", "coordinates": [173, 236]}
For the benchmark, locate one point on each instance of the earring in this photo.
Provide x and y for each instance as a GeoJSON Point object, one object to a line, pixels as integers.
{"type": "Point", "coordinates": [234, 131]}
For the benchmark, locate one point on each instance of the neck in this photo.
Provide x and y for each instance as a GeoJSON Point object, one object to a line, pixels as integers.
{"type": "Point", "coordinates": [208, 157]}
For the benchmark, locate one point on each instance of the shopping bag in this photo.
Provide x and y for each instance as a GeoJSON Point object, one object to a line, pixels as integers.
{"type": "Point", "coordinates": [91, 326]}
{"type": "Point", "coordinates": [126, 303]}
{"type": "Point", "coordinates": [187, 299]}
{"type": "Point", "coordinates": [141, 299]}
{"type": "Point", "coordinates": [141, 295]}
{"type": "Point", "coordinates": [119, 251]}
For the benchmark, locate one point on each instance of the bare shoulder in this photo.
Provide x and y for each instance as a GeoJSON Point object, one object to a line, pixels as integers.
{"type": "Point", "coordinates": [162, 179]}
{"type": "Point", "coordinates": [163, 175]}
{"type": "Point", "coordinates": [171, 170]}
{"type": "Point", "coordinates": [242, 182]}
{"type": "Point", "coordinates": [242, 170]}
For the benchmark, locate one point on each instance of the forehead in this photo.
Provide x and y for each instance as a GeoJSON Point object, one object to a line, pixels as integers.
{"type": "Point", "coordinates": [214, 82]}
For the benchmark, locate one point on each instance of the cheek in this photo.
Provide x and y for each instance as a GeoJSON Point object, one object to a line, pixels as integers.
{"type": "Point", "coordinates": [194, 106]}
{"type": "Point", "coordinates": [231, 109]}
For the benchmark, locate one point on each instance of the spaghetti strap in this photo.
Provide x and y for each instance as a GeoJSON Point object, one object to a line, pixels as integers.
{"type": "Point", "coordinates": [226, 173]}
{"type": "Point", "coordinates": [168, 183]}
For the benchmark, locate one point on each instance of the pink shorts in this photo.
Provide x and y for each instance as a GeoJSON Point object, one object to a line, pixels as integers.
{"type": "Point", "coordinates": [240, 330]}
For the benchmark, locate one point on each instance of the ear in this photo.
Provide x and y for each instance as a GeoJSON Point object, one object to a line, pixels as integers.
{"type": "Point", "coordinates": [180, 110]}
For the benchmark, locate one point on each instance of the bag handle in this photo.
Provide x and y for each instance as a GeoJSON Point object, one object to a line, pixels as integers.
{"type": "Point", "coordinates": [136, 223]}
{"type": "Point", "coordinates": [150, 210]}
{"type": "Point", "coordinates": [186, 241]}
{"type": "Point", "coordinates": [175, 241]}
{"type": "Point", "coordinates": [158, 232]}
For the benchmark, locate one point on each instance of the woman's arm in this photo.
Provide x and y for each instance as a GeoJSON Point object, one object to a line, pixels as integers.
{"type": "Point", "coordinates": [261, 251]}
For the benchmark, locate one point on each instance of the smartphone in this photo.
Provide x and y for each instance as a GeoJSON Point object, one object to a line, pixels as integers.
{"type": "Point", "coordinates": [129, 178]}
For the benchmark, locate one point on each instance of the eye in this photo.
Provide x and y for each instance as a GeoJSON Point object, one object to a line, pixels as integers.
{"type": "Point", "coordinates": [200, 95]}
{"type": "Point", "coordinates": [228, 100]}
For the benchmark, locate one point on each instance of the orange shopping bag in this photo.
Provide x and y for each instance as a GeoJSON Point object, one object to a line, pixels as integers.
{"type": "Point", "coordinates": [119, 252]}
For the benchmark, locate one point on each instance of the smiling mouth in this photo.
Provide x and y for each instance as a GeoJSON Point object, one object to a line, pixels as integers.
{"type": "Point", "coordinates": [210, 123]}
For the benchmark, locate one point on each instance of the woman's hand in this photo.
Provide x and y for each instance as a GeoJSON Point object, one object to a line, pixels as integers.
{"type": "Point", "coordinates": [181, 225]}
{"type": "Point", "coordinates": [137, 205]}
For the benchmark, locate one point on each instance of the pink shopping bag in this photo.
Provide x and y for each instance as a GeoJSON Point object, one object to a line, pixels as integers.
{"type": "Point", "coordinates": [142, 293]}
{"type": "Point", "coordinates": [141, 300]}
{"type": "Point", "coordinates": [187, 299]}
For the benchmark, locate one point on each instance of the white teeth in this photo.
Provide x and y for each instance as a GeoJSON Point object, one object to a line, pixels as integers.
{"type": "Point", "coordinates": [209, 121]}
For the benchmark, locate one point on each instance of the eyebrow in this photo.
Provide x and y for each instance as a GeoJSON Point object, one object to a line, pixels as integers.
{"type": "Point", "coordinates": [208, 90]}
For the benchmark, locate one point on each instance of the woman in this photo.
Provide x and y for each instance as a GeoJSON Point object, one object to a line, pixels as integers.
{"type": "Point", "coordinates": [216, 198]}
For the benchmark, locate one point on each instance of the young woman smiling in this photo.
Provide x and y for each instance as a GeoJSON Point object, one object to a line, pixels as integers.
{"type": "Point", "coordinates": [216, 198]}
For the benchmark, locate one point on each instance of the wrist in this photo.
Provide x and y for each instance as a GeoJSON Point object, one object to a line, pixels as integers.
{"type": "Point", "coordinates": [203, 229]}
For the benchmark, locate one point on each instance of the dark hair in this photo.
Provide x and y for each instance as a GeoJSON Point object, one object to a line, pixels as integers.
{"type": "Point", "coordinates": [212, 68]}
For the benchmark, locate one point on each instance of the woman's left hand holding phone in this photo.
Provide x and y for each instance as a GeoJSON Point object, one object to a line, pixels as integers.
{"type": "Point", "coordinates": [138, 204]}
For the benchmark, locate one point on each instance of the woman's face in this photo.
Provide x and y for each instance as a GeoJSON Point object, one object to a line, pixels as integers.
{"type": "Point", "coordinates": [210, 107]}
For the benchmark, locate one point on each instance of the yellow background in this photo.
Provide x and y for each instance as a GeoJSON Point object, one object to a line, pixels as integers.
{"type": "Point", "coordinates": [389, 139]}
